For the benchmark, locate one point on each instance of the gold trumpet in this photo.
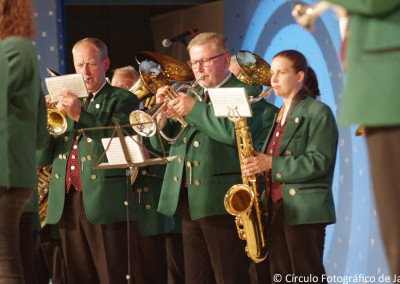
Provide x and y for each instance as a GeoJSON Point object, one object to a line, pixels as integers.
{"type": "Point", "coordinates": [157, 70]}
{"type": "Point", "coordinates": [145, 123]}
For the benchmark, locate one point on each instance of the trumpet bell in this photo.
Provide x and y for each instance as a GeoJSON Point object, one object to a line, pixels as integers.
{"type": "Point", "coordinates": [56, 121]}
{"type": "Point", "coordinates": [143, 123]}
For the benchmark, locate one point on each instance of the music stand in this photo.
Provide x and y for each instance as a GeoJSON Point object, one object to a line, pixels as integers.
{"type": "Point", "coordinates": [125, 146]}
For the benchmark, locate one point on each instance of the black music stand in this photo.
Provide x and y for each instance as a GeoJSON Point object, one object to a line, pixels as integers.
{"type": "Point", "coordinates": [129, 164]}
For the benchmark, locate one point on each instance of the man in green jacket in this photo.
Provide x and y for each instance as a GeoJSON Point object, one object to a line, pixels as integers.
{"type": "Point", "coordinates": [89, 203]}
{"type": "Point", "coordinates": [207, 165]}
{"type": "Point", "coordinates": [371, 98]}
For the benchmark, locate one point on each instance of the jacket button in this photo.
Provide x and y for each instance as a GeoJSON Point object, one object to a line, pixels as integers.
{"type": "Point", "coordinates": [93, 177]}
{"type": "Point", "coordinates": [196, 163]}
{"type": "Point", "coordinates": [197, 182]}
{"type": "Point", "coordinates": [89, 140]}
{"type": "Point", "coordinates": [60, 156]}
{"type": "Point", "coordinates": [288, 153]}
{"type": "Point", "coordinates": [179, 159]}
{"type": "Point", "coordinates": [196, 144]}
{"type": "Point", "coordinates": [292, 192]}
{"type": "Point", "coordinates": [144, 172]}
{"type": "Point", "coordinates": [145, 189]}
{"type": "Point", "coordinates": [279, 175]}
{"type": "Point", "coordinates": [296, 120]}
{"type": "Point", "coordinates": [175, 178]}
{"type": "Point", "coordinates": [65, 138]}
{"type": "Point", "coordinates": [184, 140]}
{"type": "Point", "coordinates": [57, 176]}
{"type": "Point", "coordinates": [148, 206]}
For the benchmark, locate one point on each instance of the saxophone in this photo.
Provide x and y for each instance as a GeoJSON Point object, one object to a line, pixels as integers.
{"type": "Point", "coordinates": [243, 200]}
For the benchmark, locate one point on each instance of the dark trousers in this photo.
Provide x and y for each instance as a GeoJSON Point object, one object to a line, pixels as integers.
{"type": "Point", "coordinates": [175, 261]}
{"type": "Point", "coordinates": [295, 249]}
{"type": "Point", "coordinates": [212, 246]}
{"type": "Point", "coordinates": [94, 253]}
{"type": "Point", "coordinates": [150, 255]}
{"type": "Point", "coordinates": [12, 203]}
{"type": "Point", "coordinates": [27, 238]}
{"type": "Point", "coordinates": [384, 157]}
{"type": "Point", "coordinates": [49, 259]}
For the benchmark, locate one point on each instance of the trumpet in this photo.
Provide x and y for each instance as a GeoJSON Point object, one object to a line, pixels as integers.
{"type": "Point", "coordinates": [306, 15]}
{"type": "Point", "coordinates": [145, 123]}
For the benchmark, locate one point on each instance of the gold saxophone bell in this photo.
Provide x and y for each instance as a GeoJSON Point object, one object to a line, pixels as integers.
{"type": "Point", "coordinates": [254, 71]}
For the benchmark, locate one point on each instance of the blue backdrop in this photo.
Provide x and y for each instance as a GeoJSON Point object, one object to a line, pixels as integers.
{"type": "Point", "coordinates": [353, 244]}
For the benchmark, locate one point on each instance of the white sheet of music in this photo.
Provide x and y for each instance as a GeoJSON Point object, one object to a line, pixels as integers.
{"type": "Point", "coordinates": [225, 100]}
{"type": "Point", "coordinates": [115, 154]}
{"type": "Point", "coordinates": [73, 83]}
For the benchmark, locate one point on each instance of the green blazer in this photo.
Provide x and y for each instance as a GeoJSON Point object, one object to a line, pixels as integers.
{"type": "Point", "coordinates": [104, 191]}
{"type": "Point", "coordinates": [372, 58]}
{"type": "Point", "coordinates": [147, 189]}
{"type": "Point", "coordinates": [306, 163]}
{"type": "Point", "coordinates": [207, 155]}
{"type": "Point", "coordinates": [23, 114]}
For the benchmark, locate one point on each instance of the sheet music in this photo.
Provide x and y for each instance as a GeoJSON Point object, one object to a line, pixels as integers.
{"type": "Point", "coordinates": [225, 100]}
{"type": "Point", "coordinates": [73, 83]}
{"type": "Point", "coordinates": [115, 154]}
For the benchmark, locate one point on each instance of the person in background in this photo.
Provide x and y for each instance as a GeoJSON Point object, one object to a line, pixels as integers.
{"type": "Point", "coordinates": [23, 121]}
{"type": "Point", "coordinates": [298, 159]}
{"type": "Point", "coordinates": [371, 99]}
{"type": "Point", "coordinates": [89, 203]}
{"type": "Point", "coordinates": [124, 77]}
{"type": "Point", "coordinates": [152, 230]}
{"type": "Point", "coordinates": [207, 165]}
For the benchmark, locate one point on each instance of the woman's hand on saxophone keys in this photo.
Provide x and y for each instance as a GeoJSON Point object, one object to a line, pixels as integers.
{"type": "Point", "coordinates": [259, 163]}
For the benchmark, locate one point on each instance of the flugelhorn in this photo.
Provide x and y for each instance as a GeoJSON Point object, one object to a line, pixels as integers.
{"type": "Point", "coordinates": [254, 70]}
{"type": "Point", "coordinates": [56, 121]}
{"type": "Point", "coordinates": [306, 15]}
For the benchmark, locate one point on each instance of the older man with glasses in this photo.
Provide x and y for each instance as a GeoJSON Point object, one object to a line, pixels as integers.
{"type": "Point", "coordinates": [207, 165]}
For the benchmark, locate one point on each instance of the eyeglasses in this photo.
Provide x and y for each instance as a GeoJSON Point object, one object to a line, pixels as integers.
{"type": "Point", "coordinates": [205, 62]}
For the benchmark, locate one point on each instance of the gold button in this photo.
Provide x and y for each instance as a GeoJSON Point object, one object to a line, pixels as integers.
{"type": "Point", "coordinates": [144, 172]}
{"type": "Point", "coordinates": [64, 157]}
{"type": "Point", "coordinates": [89, 140]}
{"type": "Point", "coordinates": [197, 182]}
{"type": "Point", "coordinates": [89, 157]}
{"type": "Point", "coordinates": [288, 153]}
{"type": "Point", "coordinates": [57, 176]}
{"type": "Point", "coordinates": [97, 106]}
{"type": "Point", "coordinates": [83, 159]}
{"type": "Point", "coordinates": [175, 178]}
{"type": "Point", "coordinates": [145, 189]}
{"type": "Point", "coordinates": [188, 164]}
{"type": "Point", "coordinates": [180, 160]}
{"type": "Point", "coordinates": [148, 206]}
{"type": "Point", "coordinates": [184, 140]}
{"type": "Point", "coordinates": [139, 190]}
{"type": "Point", "coordinates": [297, 120]}
{"type": "Point", "coordinates": [292, 191]}
{"type": "Point", "coordinates": [60, 156]}
{"type": "Point", "coordinates": [93, 177]}
{"type": "Point", "coordinates": [196, 163]}
{"type": "Point", "coordinates": [65, 138]}
{"type": "Point", "coordinates": [279, 175]}
{"type": "Point", "coordinates": [196, 144]}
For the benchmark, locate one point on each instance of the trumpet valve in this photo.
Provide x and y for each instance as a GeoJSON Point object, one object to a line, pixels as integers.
{"type": "Point", "coordinates": [304, 15]}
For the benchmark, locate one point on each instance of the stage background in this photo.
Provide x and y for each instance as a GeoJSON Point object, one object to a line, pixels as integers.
{"type": "Point", "coordinates": [353, 244]}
